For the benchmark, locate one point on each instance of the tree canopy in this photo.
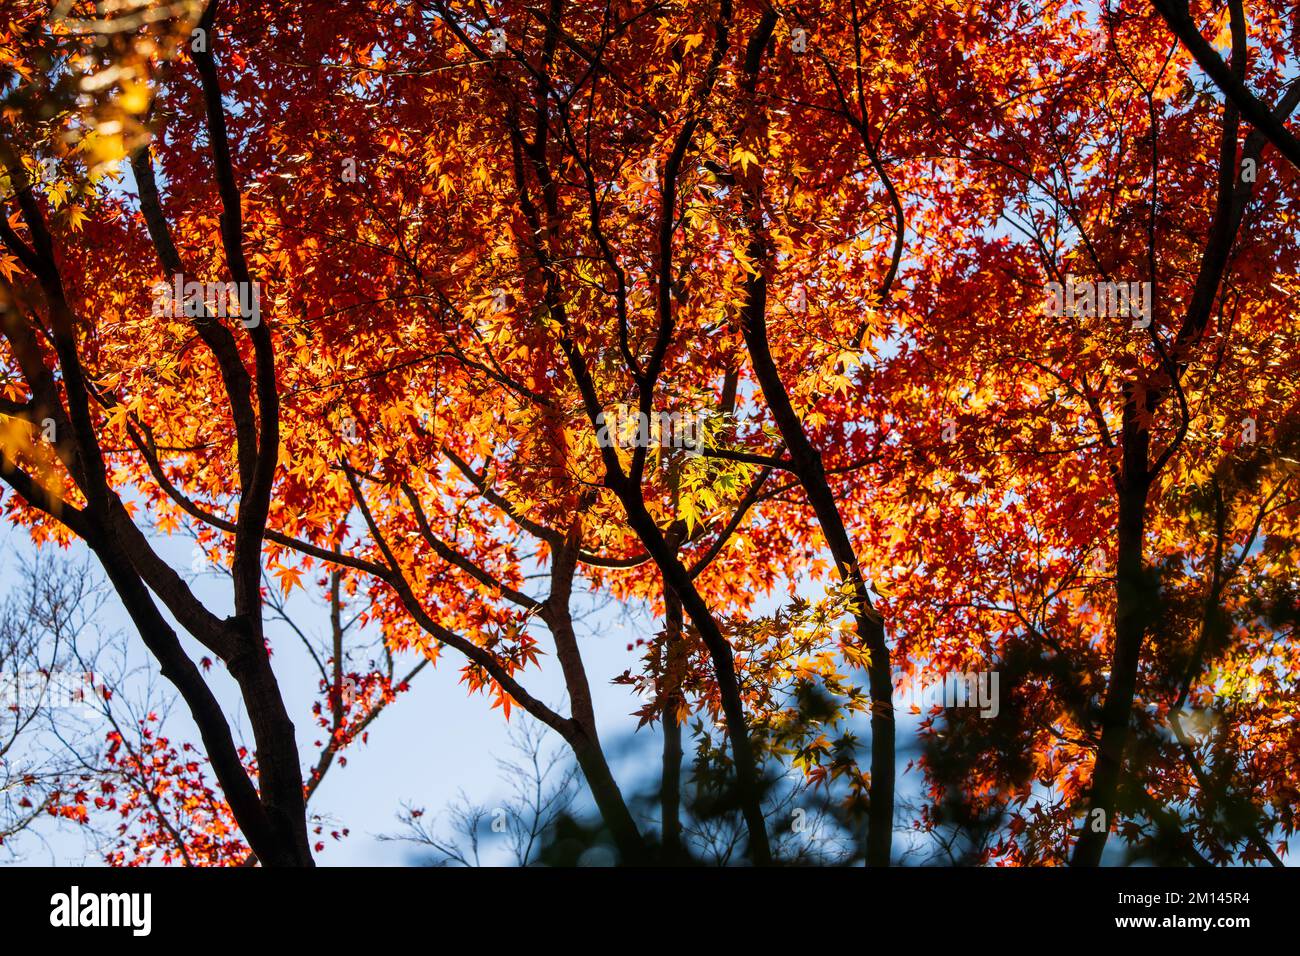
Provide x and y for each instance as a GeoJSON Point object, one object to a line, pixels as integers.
{"type": "Point", "coordinates": [860, 341]}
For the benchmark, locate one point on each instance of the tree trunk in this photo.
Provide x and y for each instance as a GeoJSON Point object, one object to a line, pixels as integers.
{"type": "Point", "coordinates": [1133, 604]}
{"type": "Point", "coordinates": [278, 762]}
{"type": "Point", "coordinates": [670, 796]}
{"type": "Point", "coordinates": [583, 736]}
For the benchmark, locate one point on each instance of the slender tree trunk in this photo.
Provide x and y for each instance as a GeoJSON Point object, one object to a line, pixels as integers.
{"type": "Point", "coordinates": [1134, 597]}
{"type": "Point", "coordinates": [880, 812]}
{"type": "Point", "coordinates": [748, 781]}
{"type": "Point", "coordinates": [609, 801]}
{"type": "Point", "coordinates": [582, 735]}
{"type": "Point", "coordinates": [670, 793]}
{"type": "Point", "coordinates": [278, 761]}
{"type": "Point", "coordinates": [807, 464]}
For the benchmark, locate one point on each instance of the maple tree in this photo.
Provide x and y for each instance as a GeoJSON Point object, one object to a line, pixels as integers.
{"type": "Point", "coordinates": [1115, 444]}
{"type": "Point", "coordinates": [685, 306]}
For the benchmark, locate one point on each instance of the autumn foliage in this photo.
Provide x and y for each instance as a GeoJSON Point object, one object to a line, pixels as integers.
{"type": "Point", "coordinates": [734, 311]}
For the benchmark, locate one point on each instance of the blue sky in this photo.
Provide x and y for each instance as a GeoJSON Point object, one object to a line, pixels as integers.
{"type": "Point", "coordinates": [430, 744]}
{"type": "Point", "coordinates": [434, 742]}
